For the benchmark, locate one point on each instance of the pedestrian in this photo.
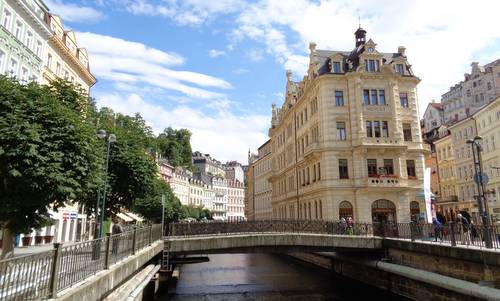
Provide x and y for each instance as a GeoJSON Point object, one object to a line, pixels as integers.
{"type": "Point", "coordinates": [464, 230]}
{"type": "Point", "coordinates": [350, 226]}
{"type": "Point", "coordinates": [343, 226]}
{"type": "Point", "coordinates": [438, 229]}
{"type": "Point", "coordinates": [115, 231]}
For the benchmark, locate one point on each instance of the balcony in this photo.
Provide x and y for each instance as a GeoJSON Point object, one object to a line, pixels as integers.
{"type": "Point", "coordinates": [385, 181]}
{"type": "Point", "coordinates": [311, 149]}
{"type": "Point", "coordinates": [383, 142]}
{"type": "Point", "coordinates": [377, 109]}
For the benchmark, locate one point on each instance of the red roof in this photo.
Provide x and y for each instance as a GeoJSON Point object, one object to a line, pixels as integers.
{"type": "Point", "coordinates": [437, 105]}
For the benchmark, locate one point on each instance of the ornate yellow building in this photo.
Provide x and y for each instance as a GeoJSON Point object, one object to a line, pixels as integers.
{"type": "Point", "coordinates": [64, 59]}
{"type": "Point", "coordinates": [346, 141]}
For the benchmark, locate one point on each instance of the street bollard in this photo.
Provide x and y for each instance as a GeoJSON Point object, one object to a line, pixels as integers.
{"type": "Point", "coordinates": [54, 279]}
{"type": "Point", "coordinates": [106, 256]}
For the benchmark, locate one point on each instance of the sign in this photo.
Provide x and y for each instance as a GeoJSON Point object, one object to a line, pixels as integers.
{"type": "Point", "coordinates": [65, 215]}
{"type": "Point", "coordinates": [484, 176]}
{"type": "Point", "coordinates": [427, 194]}
{"type": "Point", "coordinates": [73, 215]}
{"type": "Point", "coordinates": [69, 215]}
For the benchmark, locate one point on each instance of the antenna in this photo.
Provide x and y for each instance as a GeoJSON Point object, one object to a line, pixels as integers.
{"type": "Point", "coordinates": [359, 18]}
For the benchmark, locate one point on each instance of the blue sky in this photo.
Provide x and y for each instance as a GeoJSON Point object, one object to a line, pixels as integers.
{"type": "Point", "coordinates": [215, 67]}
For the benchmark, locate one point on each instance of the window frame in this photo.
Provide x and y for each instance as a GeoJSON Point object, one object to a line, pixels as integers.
{"type": "Point", "coordinates": [343, 168]}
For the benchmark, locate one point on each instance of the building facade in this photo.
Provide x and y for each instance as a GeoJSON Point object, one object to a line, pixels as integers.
{"type": "Point", "coordinates": [250, 187]}
{"type": "Point", "coordinates": [346, 141]}
{"type": "Point", "coordinates": [23, 36]}
{"type": "Point", "coordinates": [180, 187]}
{"type": "Point", "coordinates": [488, 127]}
{"type": "Point", "coordinates": [263, 188]}
{"type": "Point", "coordinates": [433, 117]}
{"type": "Point", "coordinates": [220, 202]}
{"type": "Point", "coordinates": [234, 171]}
{"type": "Point", "coordinates": [208, 165]}
{"type": "Point", "coordinates": [65, 59]}
{"type": "Point", "coordinates": [479, 87]}
{"type": "Point", "coordinates": [235, 201]}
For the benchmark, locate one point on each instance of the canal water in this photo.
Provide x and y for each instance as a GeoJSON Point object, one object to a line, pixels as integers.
{"type": "Point", "coordinates": [264, 277]}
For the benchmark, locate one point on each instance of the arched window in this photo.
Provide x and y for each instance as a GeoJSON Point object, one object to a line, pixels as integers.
{"type": "Point", "coordinates": [383, 211]}
{"type": "Point", "coordinates": [414, 211]}
{"type": "Point", "coordinates": [345, 210]}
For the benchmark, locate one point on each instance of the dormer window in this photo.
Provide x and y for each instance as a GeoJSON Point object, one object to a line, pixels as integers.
{"type": "Point", "coordinates": [372, 66]}
{"type": "Point", "coordinates": [336, 67]}
{"type": "Point", "coordinates": [400, 69]}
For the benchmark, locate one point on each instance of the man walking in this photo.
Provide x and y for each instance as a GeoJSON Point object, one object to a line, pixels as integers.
{"type": "Point", "coordinates": [117, 229]}
{"type": "Point", "coordinates": [464, 230]}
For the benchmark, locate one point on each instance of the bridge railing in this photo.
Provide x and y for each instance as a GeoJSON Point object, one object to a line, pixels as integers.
{"type": "Point", "coordinates": [452, 234]}
{"type": "Point", "coordinates": [269, 226]}
{"type": "Point", "coordinates": [43, 275]}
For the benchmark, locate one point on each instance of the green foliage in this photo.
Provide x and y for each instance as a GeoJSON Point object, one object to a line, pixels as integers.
{"type": "Point", "coordinates": [198, 213]}
{"type": "Point", "coordinates": [49, 154]}
{"type": "Point", "coordinates": [150, 206]}
{"type": "Point", "coordinates": [175, 146]}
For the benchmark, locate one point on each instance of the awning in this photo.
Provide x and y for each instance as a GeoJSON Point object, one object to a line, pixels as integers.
{"type": "Point", "coordinates": [421, 195]}
{"type": "Point", "coordinates": [135, 216]}
{"type": "Point", "coordinates": [124, 217]}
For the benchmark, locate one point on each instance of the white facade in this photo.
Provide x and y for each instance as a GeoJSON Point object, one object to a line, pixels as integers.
{"type": "Point", "coordinates": [234, 171]}
{"type": "Point", "coordinates": [235, 201]}
{"type": "Point", "coordinates": [433, 116]}
{"type": "Point", "coordinates": [180, 187]}
{"type": "Point", "coordinates": [220, 202]}
{"type": "Point", "coordinates": [262, 186]}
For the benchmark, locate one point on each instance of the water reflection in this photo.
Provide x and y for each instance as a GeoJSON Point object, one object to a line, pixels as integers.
{"type": "Point", "coordinates": [257, 277]}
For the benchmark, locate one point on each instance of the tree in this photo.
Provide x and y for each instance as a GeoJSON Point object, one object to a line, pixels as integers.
{"type": "Point", "coordinates": [196, 212]}
{"type": "Point", "coordinates": [49, 154]}
{"type": "Point", "coordinates": [175, 146]}
{"type": "Point", "coordinates": [150, 206]}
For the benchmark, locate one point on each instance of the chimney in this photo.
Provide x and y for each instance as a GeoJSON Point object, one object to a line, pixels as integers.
{"type": "Point", "coordinates": [401, 50]}
{"type": "Point", "coordinates": [312, 47]}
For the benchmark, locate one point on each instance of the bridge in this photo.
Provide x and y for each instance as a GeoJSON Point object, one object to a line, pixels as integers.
{"type": "Point", "coordinates": [279, 236]}
{"type": "Point", "coordinates": [453, 263]}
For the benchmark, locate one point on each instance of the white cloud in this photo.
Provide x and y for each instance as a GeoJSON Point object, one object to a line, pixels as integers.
{"type": "Point", "coordinates": [224, 135]}
{"type": "Point", "coordinates": [215, 53]}
{"type": "Point", "coordinates": [74, 13]}
{"type": "Point", "coordinates": [255, 55]}
{"type": "Point", "coordinates": [440, 45]}
{"type": "Point", "coordinates": [145, 65]}
{"type": "Point", "coordinates": [186, 12]}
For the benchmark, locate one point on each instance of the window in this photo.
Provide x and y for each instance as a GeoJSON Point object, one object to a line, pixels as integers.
{"type": "Point", "coordinates": [372, 167]}
{"type": "Point", "coordinates": [407, 132]}
{"type": "Point", "coordinates": [6, 19]}
{"type": "Point", "coordinates": [366, 97]}
{"type": "Point", "coordinates": [49, 61]}
{"type": "Point", "coordinates": [468, 93]}
{"type": "Point", "coordinates": [371, 65]}
{"type": "Point", "coordinates": [369, 129]}
{"type": "Point", "coordinates": [381, 97]}
{"type": "Point", "coordinates": [24, 74]}
{"type": "Point", "coordinates": [19, 30]}
{"type": "Point", "coordinates": [336, 67]}
{"type": "Point", "coordinates": [29, 39]}
{"type": "Point", "coordinates": [385, 129]}
{"type": "Point", "coordinates": [400, 69]}
{"type": "Point", "coordinates": [374, 100]}
{"type": "Point", "coordinates": [38, 48]}
{"type": "Point", "coordinates": [66, 74]}
{"type": "Point", "coordinates": [13, 67]}
{"type": "Point", "coordinates": [58, 69]}
{"type": "Point", "coordinates": [343, 170]}
{"type": "Point", "coordinates": [489, 86]}
{"type": "Point", "coordinates": [389, 166]}
{"type": "Point", "coordinates": [341, 133]}
{"type": "Point", "coordinates": [410, 168]}
{"type": "Point", "coordinates": [339, 98]}
{"type": "Point", "coordinates": [376, 128]}
{"type": "Point", "coordinates": [403, 99]}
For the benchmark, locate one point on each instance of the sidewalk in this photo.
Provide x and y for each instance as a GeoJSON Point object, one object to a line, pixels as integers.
{"type": "Point", "coordinates": [23, 251]}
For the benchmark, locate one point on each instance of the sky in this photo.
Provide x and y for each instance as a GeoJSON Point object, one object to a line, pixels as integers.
{"type": "Point", "coordinates": [215, 67]}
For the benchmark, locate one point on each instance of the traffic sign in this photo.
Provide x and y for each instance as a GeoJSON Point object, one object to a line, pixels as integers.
{"type": "Point", "coordinates": [484, 176]}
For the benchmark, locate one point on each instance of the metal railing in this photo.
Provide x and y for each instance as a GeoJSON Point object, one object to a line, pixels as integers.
{"type": "Point", "coordinates": [43, 275]}
{"type": "Point", "coordinates": [451, 234]}
{"type": "Point", "coordinates": [269, 226]}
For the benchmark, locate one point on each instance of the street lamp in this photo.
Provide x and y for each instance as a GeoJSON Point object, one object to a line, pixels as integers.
{"type": "Point", "coordinates": [481, 199]}
{"type": "Point", "coordinates": [110, 138]}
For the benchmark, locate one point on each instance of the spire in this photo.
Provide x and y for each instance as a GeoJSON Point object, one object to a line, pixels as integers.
{"type": "Point", "coordinates": [360, 35]}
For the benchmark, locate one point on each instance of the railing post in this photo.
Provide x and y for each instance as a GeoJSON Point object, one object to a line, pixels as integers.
{"type": "Point", "coordinates": [452, 233]}
{"type": "Point", "coordinates": [134, 240]}
{"type": "Point", "coordinates": [106, 256]}
{"type": "Point", "coordinates": [150, 234]}
{"type": "Point", "coordinates": [54, 279]}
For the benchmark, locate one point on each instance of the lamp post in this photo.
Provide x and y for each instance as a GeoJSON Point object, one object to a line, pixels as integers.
{"type": "Point", "coordinates": [481, 199]}
{"type": "Point", "coordinates": [110, 138]}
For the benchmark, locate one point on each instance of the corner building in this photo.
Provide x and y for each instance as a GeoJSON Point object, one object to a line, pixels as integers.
{"type": "Point", "coordinates": [347, 141]}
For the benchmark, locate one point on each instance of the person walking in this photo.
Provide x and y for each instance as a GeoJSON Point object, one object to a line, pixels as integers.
{"type": "Point", "coordinates": [116, 229]}
{"type": "Point", "coordinates": [464, 230]}
{"type": "Point", "coordinates": [438, 229]}
{"type": "Point", "coordinates": [343, 226]}
{"type": "Point", "coordinates": [350, 226]}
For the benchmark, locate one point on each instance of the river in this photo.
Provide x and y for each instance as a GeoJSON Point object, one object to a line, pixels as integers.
{"type": "Point", "coordinates": [264, 277]}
